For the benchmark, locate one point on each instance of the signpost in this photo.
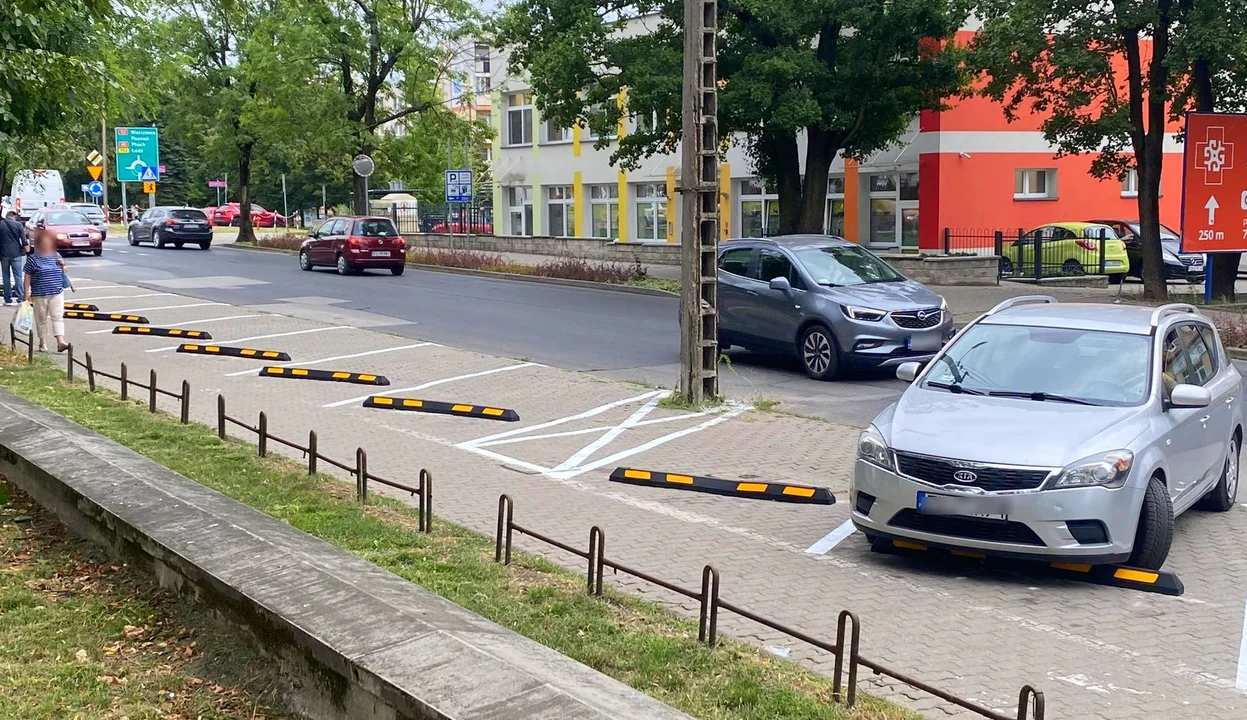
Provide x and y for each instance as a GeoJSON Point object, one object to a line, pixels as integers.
{"type": "Point", "coordinates": [459, 186]}
{"type": "Point", "coordinates": [137, 159]}
{"type": "Point", "coordinates": [1214, 186]}
{"type": "Point", "coordinates": [95, 189]}
{"type": "Point", "coordinates": [364, 167]}
{"type": "Point", "coordinates": [217, 184]}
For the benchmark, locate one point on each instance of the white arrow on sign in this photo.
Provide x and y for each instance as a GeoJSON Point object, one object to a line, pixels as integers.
{"type": "Point", "coordinates": [1211, 206]}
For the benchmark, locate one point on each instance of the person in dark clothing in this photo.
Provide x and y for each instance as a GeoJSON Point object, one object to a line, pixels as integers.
{"type": "Point", "coordinates": [13, 248]}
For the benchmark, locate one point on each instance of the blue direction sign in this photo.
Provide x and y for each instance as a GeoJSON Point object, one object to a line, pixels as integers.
{"type": "Point", "coordinates": [138, 151]}
{"type": "Point", "coordinates": [459, 186]}
{"type": "Point", "coordinates": [94, 188]}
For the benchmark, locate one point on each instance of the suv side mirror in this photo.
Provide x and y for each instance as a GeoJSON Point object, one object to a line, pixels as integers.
{"type": "Point", "coordinates": [781, 284]}
{"type": "Point", "coordinates": [907, 371]}
{"type": "Point", "coordinates": [1189, 396]}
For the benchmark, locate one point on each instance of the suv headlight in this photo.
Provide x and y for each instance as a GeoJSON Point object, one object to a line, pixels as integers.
{"type": "Point", "coordinates": [872, 448]}
{"type": "Point", "coordinates": [861, 313]}
{"type": "Point", "coordinates": [1109, 469]}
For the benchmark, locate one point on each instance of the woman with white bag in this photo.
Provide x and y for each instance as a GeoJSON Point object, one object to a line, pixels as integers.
{"type": "Point", "coordinates": [45, 288]}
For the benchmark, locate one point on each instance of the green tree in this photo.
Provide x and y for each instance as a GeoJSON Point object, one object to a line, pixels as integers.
{"type": "Point", "coordinates": [847, 75]}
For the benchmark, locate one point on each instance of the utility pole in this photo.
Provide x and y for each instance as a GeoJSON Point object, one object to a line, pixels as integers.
{"type": "Point", "coordinates": [104, 164]}
{"type": "Point", "coordinates": [699, 192]}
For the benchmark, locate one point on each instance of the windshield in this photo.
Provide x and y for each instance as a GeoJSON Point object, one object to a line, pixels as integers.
{"type": "Point", "coordinates": [1165, 232]}
{"type": "Point", "coordinates": [196, 215]}
{"type": "Point", "coordinates": [89, 210]}
{"type": "Point", "coordinates": [375, 228]}
{"type": "Point", "coordinates": [845, 265]}
{"type": "Point", "coordinates": [66, 218]}
{"type": "Point", "coordinates": [1099, 368]}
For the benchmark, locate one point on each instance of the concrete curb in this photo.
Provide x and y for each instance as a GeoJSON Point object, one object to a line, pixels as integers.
{"type": "Point", "coordinates": [586, 284]}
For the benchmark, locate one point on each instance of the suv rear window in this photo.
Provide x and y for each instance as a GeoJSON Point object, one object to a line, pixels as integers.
{"type": "Point", "coordinates": [375, 228]}
{"type": "Point", "coordinates": [188, 215]}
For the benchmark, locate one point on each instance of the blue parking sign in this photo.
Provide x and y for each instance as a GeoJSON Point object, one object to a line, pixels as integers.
{"type": "Point", "coordinates": [458, 186]}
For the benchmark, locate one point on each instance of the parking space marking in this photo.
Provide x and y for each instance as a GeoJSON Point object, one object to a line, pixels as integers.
{"type": "Point", "coordinates": [488, 439]}
{"type": "Point", "coordinates": [197, 322]}
{"type": "Point", "coordinates": [260, 337]}
{"type": "Point", "coordinates": [588, 431]}
{"type": "Point", "coordinates": [170, 307]}
{"type": "Point", "coordinates": [118, 297]}
{"type": "Point", "coordinates": [832, 539]}
{"type": "Point", "coordinates": [106, 287]}
{"type": "Point", "coordinates": [583, 453]}
{"type": "Point", "coordinates": [331, 359]}
{"type": "Point", "coordinates": [429, 384]}
{"type": "Point", "coordinates": [1240, 680]}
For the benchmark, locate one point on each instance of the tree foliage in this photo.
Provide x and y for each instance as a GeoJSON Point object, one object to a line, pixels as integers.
{"type": "Point", "coordinates": [847, 75]}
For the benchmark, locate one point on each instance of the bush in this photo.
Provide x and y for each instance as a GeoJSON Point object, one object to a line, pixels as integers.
{"type": "Point", "coordinates": [567, 267]}
{"type": "Point", "coordinates": [284, 241]}
{"type": "Point", "coordinates": [1233, 329]}
{"type": "Point", "coordinates": [468, 259]}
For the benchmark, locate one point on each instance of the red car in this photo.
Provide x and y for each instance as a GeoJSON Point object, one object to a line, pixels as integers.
{"type": "Point", "coordinates": [352, 244]}
{"type": "Point", "coordinates": [229, 214]}
{"type": "Point", "coordinates": [73, 231]}
{"type": "Point", "coordinates": [461, 226]}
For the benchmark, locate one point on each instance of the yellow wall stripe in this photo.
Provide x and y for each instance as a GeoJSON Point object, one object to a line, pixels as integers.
{"type": "Point", "coordinates": [673, 217]}
{"type": "Point", "coordinates": [578, 204]}
{"type": "Point", "coordinates": [725, 201]}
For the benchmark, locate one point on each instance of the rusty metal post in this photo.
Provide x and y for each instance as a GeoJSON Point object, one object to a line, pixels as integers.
{"type": "Point", "coordinates": [426, 501]}
{"type": "Point", "coordinates": [186, 402]}
{"type": "Point", "coordinates": [708, 617]}
{"type": "Point", "coordinates": [125, 382]}
{"type": "Point", "coordinates": [502, 543]}
{"type": "Point", "coordinates": [69, 366]}
{"type": "Point", "coordinates": [90, 374]}
{"type": "Point", "coordinates": [220, 416]}
{"type": "Point", "coordinates": [12, 338]}
{"type": "Point", "coordinates": [30, 347]}
{"type": "Point", "coordinates": [311, 452]}
{"type": "Point", "coordinates": [151, 389]}
{"type": "Point", "coordinates": [361, 475]}
{"type": "Point", "coordinates": [262, 443]}
{"type": "Point", "coordinates": [849, 696]}
{"type": "Point", "coordinates": [1028, 694]}
{"type": "Point", "coordinates": [597, 558]}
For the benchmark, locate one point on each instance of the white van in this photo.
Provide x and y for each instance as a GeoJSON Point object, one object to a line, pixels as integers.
{"type": "Point", "coordinates": [34, 189]}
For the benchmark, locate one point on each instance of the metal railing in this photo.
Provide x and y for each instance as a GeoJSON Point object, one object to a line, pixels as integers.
{"type": "Point", "coordinates": [445, 218]}
{"type": "Point", "coordinates": [848, 628]}
{"type": "Point", "coordinates": [1031, 255]}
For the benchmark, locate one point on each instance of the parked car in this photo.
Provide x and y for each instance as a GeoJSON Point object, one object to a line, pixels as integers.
{"type": "Point", "coordinates": [1178, 265]}
{"type": "Point", "coordinates": [353, 244]}
{"type": "Point", "coordinates": [830, 302]}
{"type": "Point", "coordinates": [1081, 431]}
{"type": "Point", "coordinates": [1068, 248]}
{"type": "Point", "coordinates": [231, 213]}
{"type": "Point", "coordinates": [73, 231]}
{"type": "Point", "coordinates": [178, 226]}
{"type": "Point", "coordinates": [92, 213]}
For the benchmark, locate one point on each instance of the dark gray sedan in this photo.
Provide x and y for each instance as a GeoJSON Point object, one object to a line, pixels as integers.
{"type": "Point", "coordinates": [832, 303]}
{"type": "Point", "coordinates": [175, 226]}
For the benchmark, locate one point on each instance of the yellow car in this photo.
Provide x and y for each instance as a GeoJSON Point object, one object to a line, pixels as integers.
{"type": "Point", "coordinates": [1066, 248]}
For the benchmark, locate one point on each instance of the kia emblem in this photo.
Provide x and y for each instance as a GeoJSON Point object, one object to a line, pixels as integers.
{"type": "Point", "coordinates": [965, 476]}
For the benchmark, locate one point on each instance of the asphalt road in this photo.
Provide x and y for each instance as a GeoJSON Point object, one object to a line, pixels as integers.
{"type": "Point", "coordinates": [618, 335]}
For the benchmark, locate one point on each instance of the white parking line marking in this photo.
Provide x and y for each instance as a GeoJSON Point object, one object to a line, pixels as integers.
{"type": "Point", "coordinates": [587, 431]}
{"type": "Point", "coordinates": [832, 539]}
{"type": "Point", "coordinates": [106, 287]}
{"type": "Point", "coordinates": [170, 307]}
{"type": "Point", "coordinates": [259, 337]}
{"type": "Point", "coordinates": [330, 359]}
{"type": "Point", "coordinates": [585, 452]}
{"type": "Point", "coordinates": [429, 384]}
{"type": "Point", "coordinates": [118, 297]}
{"type": "Point", "coordinates": [196, 322]}
{"type": "Point", "coordinates": [1240, 680]}
{"type": "Point", "coordinates": [487, 440]}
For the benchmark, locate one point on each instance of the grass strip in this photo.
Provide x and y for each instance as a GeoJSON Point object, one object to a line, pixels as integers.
{"type": "Point", "coordinates": [639, 643]}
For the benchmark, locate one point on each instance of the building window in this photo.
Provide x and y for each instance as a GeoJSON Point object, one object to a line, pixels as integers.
{"type": "Point", "coordinates": [554, 134]}
{"type": "Point", "coordinates": [597, 116]}
{"type": "Point", "coordinates": [482, 58]}
{"type": "Point", "coordinates": [834, 222]}
{"type": "Point", "coordinates": [482, 84]}
{"type": "Point", "coordinates": [1034, 184]}
{"type": "Point", "coordinates": [883, 184]}
{"type": "Point", "coordinates": [645, 122]}
{"type": "Point", "coordinates": [882, 221]}
{"type": "Point", "coordinates": [651, 211]}
{"type": "Point", "coordinates": [561, 211]}
{"type": "Point", "coordinates": [520, 118]}
{"type": "Point", "coordinates": [909, 186]}
{"type": "Point", "coordinates": [1130, 184]}
{"type": "Point", "coordinates": [519, 211]}
{"type": "Point", "coordinates": [759, 210]}
{"type": "Point", "coordinates": [604, 207]}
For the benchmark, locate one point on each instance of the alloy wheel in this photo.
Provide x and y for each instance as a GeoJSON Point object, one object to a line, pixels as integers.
{"type": "Point", "coordinates": [1231, 470]}
{"type": "Point", "coordinates": [816, 353]}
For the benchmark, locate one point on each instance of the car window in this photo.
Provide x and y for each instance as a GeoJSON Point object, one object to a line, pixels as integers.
{"type": "Point", "coordinates": [844, 265]}
{"type": "Point", "coordinates": [67, 218]}
{"type": "Point", "coordinates": [1203, 364]}
{"type": "Point", "coordinates": [1175, 369]}
{"type": "Point", "coordinates": [1210, 340]}
{"type": "Point", "coordinates": [736, 261]}
{"type": "Point", "coordinates": [375, 228]}
{"type": "Point", "coordinates": [196, 215]}
{"type": "Point", "coordinates": [773, 264]}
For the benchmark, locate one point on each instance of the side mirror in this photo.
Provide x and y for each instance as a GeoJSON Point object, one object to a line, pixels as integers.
{"type": "Point", "coordinates": [1189, 396]}
{"type": "Point", "coordinates": [781, 284]}
{"type": "Point", "coordinates": [313, 235]}
{"type": "Point", "coordinates": [907, 371]}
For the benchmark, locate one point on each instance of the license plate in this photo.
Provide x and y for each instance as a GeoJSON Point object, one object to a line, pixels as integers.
{"type": "Point", "coordinates": [81, 243]}
{"type": "Point", "coordinates": [1112, 263]}
{"type": "Point", "coordinates": [934, 504]}
{"type": "Point", "coordinates": [928, 342]}
{"type": "Point", "coordinates": [380, 253]}
{"type": "Point", "coordinates": [1196, 266]}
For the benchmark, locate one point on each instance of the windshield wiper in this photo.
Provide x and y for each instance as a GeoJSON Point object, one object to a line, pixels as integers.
{"type": "Point", "coordinates": [1039, 395]}
{"type": "Point", "coordinates": [954, 388]}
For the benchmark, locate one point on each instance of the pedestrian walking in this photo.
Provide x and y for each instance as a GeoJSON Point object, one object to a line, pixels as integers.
{"type": "Point", "coordinates": [45, 287]}
{"type": "Point", "coordinates": [13, 248]}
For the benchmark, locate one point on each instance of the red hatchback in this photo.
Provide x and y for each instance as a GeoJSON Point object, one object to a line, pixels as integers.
{"type": "Point", "coordinates": [353, 244]}
{"type": "Point", "coordinates": [73, 231]}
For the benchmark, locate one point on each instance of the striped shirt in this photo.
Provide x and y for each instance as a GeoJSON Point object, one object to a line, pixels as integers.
{"type": "Point", "coordinates": [46, 276]}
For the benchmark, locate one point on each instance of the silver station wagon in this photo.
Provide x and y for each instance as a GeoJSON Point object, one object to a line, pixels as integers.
{"type": "Point", "coordinates": [1057, 431]}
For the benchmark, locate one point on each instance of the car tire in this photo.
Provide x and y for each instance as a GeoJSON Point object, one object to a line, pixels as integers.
{"type": "Point", "coordinates": [398, 269]}
{"type": "Point", "coordinates": [305, 262]}
{"type": "Point", "coordinates": [1006, 266]}
{"type": "Point", "coordinates": [134, 241]}
{"type": "Point", "coordinates": [1154, 535]}
{"type": "Point", "coordinates": [1222, 496]}
{"type": "Point", "coordinates": [205, 244]}
{"type": "Point", "coordinates": [1072, 267]}
{"type": "Point", "coordinates": [159, 241]}
{"type": "Point", "coordinates": [99, 252]}
{"type": "Point", "coordinates": [820, 358]}
{"type": "Point", "coordinates": [344, 268]}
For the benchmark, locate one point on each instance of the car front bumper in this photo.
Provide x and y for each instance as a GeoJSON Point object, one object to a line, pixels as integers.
{"type": "Point", "coordinates": [1037, 525]}
{"type": "Point", "coordinates": [883, 344]}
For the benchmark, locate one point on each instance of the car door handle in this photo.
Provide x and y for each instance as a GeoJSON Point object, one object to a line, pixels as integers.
{"type": "Point", "coordinates": [752, 292]}
{"type": "Point", "coordinates": [1229, 400]}
{"type": "Point", "coordinates": [1205, 418]}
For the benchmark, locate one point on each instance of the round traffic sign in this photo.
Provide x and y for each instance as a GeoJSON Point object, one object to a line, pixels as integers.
{"type": "Point", "coordinates": [363, 165]}
{"type": "Point", "coordinates": [95, 188]}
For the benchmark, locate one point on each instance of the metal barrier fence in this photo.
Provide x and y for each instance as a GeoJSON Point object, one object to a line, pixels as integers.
{"type": "Point", "coordinates": [848, 628]}
{"type": "Point", "coordinates": [445, 218]}
{"type": "Point", "coordinates": [1030, 701]}
{"type": "Point", "coordinates": [1058, 253]}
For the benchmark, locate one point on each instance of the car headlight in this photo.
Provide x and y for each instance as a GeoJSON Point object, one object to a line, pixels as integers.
{"type": "Point", "coordinates": [1170, 256]}
{"type": "Point", "coordinates": [872, 448]}
{"type": "Point", "coordinates": [861, 313]}
{"type": "Point", "coordinates": [61, 236]}
{"type": "Point", "coordinates": [1109, 469]}
{"type": "Point", "coordinates": [943, 303]}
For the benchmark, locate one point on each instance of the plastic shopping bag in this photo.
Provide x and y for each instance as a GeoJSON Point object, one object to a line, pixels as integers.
{"type": "Point", "coordinates": [24, 319]}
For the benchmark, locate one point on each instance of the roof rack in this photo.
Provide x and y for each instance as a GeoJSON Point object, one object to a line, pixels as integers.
{"type": "Point", "coordinates": [1022, 300]}
{"type": "Point", "coordinates": [1164, 311]}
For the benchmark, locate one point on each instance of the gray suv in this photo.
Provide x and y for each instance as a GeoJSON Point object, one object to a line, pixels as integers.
{"type": "Point", "coordinates": [1073, 432]}
{"type": "Point", "coordinates": [832, 303]}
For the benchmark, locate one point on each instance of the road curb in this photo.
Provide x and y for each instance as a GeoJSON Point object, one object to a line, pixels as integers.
{"type": "Point", "coordinates": [587, 284]}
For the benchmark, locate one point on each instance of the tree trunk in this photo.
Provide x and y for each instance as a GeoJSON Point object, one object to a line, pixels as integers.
{"type": "Point", "coordinates": [1154, 286]}
{"type": "Point", "coordinates": [246, 232]}
{"type": "Point", "coordinates": [1222, 266]}
{"type": "Point", "coordinates": [820, 151]}
{"type": "Point", "coordinates": [787, 163]}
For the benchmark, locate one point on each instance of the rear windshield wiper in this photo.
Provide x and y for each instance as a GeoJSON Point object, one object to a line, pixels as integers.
{"type": "Point", "coordinates": [954, 388]}
{"type": "Point", "coordinates": [1039, 395]}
